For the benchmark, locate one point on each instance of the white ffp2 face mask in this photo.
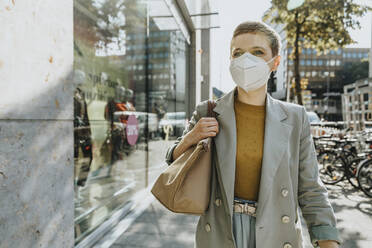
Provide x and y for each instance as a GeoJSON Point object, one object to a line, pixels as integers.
{"type": "Point", "coordinates": [249, 72]}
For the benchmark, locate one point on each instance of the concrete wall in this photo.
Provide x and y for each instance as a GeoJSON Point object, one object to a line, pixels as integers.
{"type": "Point", "coordinates": [36, 124]}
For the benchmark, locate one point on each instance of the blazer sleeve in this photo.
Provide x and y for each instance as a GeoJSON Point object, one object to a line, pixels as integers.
{"type": "Point", "coordinates": [196, 115]}
{"type": "Point", "coordinates": [312, 194]}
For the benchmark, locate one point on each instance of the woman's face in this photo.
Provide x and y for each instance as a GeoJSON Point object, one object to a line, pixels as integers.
{"type": "Point", "coordinates": [256, 44]}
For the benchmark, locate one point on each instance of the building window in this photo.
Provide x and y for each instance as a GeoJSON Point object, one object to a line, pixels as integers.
{"type": "Point", "coordinates": [320, 62]}
{"type": "Point", "coordinates": [308, 62]}
{"type": "Point", "coordinates": [314, 62]}
{"type": "Point", "coordinates": [302, 62]}
{"type": "Point", "coordinates": [314, 73]}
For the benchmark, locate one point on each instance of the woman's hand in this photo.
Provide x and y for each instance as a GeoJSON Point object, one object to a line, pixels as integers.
{"type": "Point", "coordinates": [204, 128]}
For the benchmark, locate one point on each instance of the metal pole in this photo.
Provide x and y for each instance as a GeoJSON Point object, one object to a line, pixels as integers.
{"type": "Point", "coordinates": [147, 95]}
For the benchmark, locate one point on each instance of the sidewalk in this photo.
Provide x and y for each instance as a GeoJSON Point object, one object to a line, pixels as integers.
{"type": "Point", "coordinates": [157, 227]}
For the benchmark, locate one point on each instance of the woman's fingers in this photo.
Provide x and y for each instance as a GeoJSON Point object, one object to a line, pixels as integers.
{"type": "Point", "coordinates": [211, 134]}
{"type": "Point", "coordinates": [208, 119]}
{"type": "Point", "coordinates": [211, 129]}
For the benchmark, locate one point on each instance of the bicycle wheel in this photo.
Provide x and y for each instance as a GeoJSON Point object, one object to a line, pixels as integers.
{"type": "Point", "coordinates": [351, 172]}
{"type": "Point", "coordinates": [364, 177]}
{"type": "Point", "coordinates": [331, 167]}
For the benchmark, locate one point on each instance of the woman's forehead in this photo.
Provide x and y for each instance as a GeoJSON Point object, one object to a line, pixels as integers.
{"type": "Point", "coordinates": [248, 41]}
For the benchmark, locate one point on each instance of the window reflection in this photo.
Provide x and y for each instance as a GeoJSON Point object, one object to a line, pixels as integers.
{"type": "Point", "coordinates": [130, 101]}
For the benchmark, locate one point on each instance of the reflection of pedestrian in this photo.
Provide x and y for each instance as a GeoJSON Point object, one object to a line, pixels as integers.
{"type": "Point", "coordinates": [82, 137]}
{"type": "Point", "coordinates": [116, 132]}
{"type": "Point", "coordinates": [160, 112]}
{"type": "Point", "coordinates": [264, 164]}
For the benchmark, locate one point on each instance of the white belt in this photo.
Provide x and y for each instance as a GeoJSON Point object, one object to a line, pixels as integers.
{"type": "Point", "coordinates": [245, 208]}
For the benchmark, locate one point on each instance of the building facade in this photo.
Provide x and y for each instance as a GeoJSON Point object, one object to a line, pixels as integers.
{"type": "Point", "coordinates": [92, 97]}
{"type": "Point", "coordinates": [324, 88]}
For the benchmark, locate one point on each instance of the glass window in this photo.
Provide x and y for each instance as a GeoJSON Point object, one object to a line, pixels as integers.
{"type": "Point", "coordinates": [314, 62]}
{"type": "Point", "coordinates": [320, 62]}
{"type": "Point", "coordinates": [116, 99]}
{"type": "Point", "coordinates": [302, 73]}
{"type": "Point", "coordinates": [302, 62]}
{"type": "Point", "coordinates": [332, 62]}
{"type": "Point", "coordinates": [308, 62]}
{"type": "Point", "coordinates": [308, 74]}
{"type": "Point", "coordinates": [314, 73]}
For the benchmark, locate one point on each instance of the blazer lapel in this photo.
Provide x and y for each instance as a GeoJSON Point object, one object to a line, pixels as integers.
{"type": "Point", "coordinates": [276, 138]}
{"type": "Point", "coordinates": [225, 142]}
{"type": "Point", "coordinates": [275, 142]}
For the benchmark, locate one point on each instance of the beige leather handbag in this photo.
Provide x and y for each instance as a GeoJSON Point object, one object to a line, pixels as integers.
{"type": "Point", "coordinates": [184, 187]}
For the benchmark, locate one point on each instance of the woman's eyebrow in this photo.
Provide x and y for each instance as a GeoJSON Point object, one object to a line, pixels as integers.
{"type": "Point", "coordinates": [258, 47]}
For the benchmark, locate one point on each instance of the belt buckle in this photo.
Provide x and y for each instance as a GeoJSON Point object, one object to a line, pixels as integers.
{"type": "Point", "coordinates": [249, 209]}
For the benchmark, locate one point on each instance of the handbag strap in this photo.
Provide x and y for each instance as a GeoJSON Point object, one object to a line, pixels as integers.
{"type": "Point", "coordinates": [211, 105]}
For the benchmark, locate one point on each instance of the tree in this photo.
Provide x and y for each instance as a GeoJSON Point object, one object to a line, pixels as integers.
{"type": "Point", "coordinates": [318, 24]}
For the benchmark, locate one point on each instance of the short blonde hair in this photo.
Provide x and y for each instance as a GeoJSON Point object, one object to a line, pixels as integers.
{"type": "Point", "coordinates": [260, 27]}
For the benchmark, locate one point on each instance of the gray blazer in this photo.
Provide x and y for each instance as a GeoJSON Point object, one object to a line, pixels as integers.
{"type": "Point", "coordinates": [289, 178]}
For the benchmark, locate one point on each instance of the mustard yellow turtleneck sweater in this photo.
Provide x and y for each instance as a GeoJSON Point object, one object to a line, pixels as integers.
{"type": "Point", "coordinates": [250, 127]}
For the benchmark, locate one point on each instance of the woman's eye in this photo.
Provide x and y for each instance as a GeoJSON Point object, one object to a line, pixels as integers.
{"type": "Point", "coordinates": [237, 54]}
{"type": "Point", "coordinates": [257, 52]}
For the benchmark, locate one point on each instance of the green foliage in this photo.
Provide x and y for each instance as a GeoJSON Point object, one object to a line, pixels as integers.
{"type": "Point", "coordinates": [318, 24]}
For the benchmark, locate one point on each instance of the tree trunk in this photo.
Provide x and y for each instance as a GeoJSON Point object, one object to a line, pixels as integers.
{"type": "Point", "coordinates": [296, 62]}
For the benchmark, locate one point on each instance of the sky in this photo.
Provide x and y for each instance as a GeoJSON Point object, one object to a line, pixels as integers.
{"type": "Point", "coordinates": [233, 12]}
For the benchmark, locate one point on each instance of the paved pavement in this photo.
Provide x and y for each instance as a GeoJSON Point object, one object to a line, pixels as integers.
{"type": "Point", "coordinates": [158, 227]}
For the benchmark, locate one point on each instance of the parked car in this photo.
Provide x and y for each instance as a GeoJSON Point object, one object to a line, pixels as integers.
{"type": "Point", "coordinates": [175, 121]}
{"type": "Point", "coordinates": [313, 117]}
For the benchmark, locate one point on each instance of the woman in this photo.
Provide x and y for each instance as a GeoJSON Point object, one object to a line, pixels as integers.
{"type": "Point", "coordinates": [264, 161]}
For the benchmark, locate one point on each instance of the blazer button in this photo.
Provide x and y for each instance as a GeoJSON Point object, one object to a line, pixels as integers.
{"type": "Point", "coordinates": [208, 227]}
{"type": "Point", "coordinates": [287, 245]}
{"type": "Point", "coordinates": [285, 219]}
{"type": "Point", "coordinates": [217, 202]}
{"type": "Point", "coordinates": [284, 192]}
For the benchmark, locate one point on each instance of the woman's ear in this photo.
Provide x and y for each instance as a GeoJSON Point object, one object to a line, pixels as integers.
{"type": "Point", "coordinates": [276, 63]}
